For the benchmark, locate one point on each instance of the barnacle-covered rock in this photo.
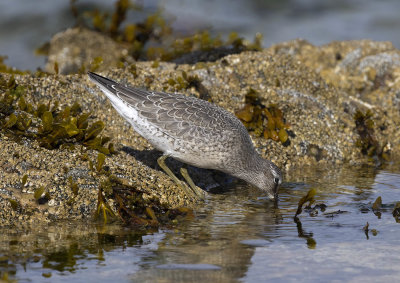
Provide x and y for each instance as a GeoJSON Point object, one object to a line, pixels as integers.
{"type": "Point", "coordinates": [302, 104]}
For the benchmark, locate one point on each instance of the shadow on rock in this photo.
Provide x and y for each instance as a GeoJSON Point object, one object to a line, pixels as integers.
{"type": "Point", "coordinates": [210, 180]}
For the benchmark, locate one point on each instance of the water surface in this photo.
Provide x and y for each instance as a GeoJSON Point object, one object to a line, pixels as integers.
{"type": "Point", "coordinates": [236, 235]}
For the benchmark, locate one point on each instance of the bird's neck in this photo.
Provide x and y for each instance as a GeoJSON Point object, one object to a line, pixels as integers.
{"type": "Point", "coordinates": [252, 168]}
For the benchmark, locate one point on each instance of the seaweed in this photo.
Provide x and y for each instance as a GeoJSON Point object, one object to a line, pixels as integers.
{"type": "Point", "coordinates": [100, 161]}
{"type": "Point", "coordinates": [121, 8]}
{"type": "Point", "coordinates": [311, 243]}
{"type": "Point", "coordinates": [367, 141]}
{"type": "Point", "coordinates": [136, 210]}
{"type": "Point", "coordinates": [24, 180]}
{"type": "Point", "coordinates": [366, 230]}
{"type": "Point", "coordinates": [15, 204]}
{"type": "Point", "coordinates": [376, 207]}
{"type": "Point", "coordinates": [41, 195]}
{"type": "Point", "coordinates": [309, 197]}
{"type": "Point", "coordinates": [74, 186]}
{"type": "Point", "coordinates": [130, 205]}
{"type": "Point", "coordinates": [187, 81]}
{"type": "Point", "coordinates": [396, 212]}
{"type": "Point", "coordinates": [103, 208]}
{"type": "Point", "coordinates": [95, 64]}
{"type": "Point", "coordinates": [263, 121]}
{"type": "Point", "coordinates": [54, 128]}
{"type": "Point", "coordinates": [154, 38]}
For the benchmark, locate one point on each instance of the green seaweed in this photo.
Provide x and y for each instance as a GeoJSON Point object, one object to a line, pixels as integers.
{"type": "Point", "coordinates": [22, 104]}
{"type": "Point", "coordinates": [57, 128]}
{"type": "Point", "coordinates": [151, 214]}
{"type": "Point", "coordinates": [103, 209]}
{"type": "Point", "coordinates": [74, 186]}
{"type": "Point", "coordinates": [46, 274]}
{"type": "Point", "coordinates": [154, 38]}
{"type": "Point", "coordinates": [377, 203]}
{"type": "Point", "coordinates": [15, 205]}
{"type": "Point", "coordinates": [131, 205]}
{"type": "Point", "coordinates": [366, 230]}
{"type": "Point", "coordinates": [94, 130]}
{"type": "Point", "coordinates": [111, 148]}
{"type": "Point", "coordinates": [38, 193]}
{"type": "Point", "coordinates": [133, 70]}
{"type": "Point", "coordinates": [47, 122]}
{"type": "Point", "coordinates": [188, 81]}
{"type": "Point", "coordinates": [121, 8]}
{"type": "Point", "coordinates": [11, 121]}
{"type": "Point", "coordinates": [96, 63]}
{"type": "Point", "coordinates": [155, 64]}
{"type": "Point", "coordinates": [100, 161]}
{"type": "Point", "coordinates": [82, 122]}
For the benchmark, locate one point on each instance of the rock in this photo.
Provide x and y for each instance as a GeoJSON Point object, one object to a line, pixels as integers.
{"type": "Point", "coordinates": [319, 89]}
{"type": "Point", "coordinates": [82, 49]}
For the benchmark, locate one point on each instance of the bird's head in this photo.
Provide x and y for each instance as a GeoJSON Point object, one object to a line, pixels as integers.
{"type": "Point", "coordinates": [268, 178]}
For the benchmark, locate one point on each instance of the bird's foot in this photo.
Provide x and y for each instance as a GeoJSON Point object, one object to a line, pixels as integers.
{"type": "Point", "coordinates": [190, 188]}
{"type": "Point", "coordinates": [195, 189]}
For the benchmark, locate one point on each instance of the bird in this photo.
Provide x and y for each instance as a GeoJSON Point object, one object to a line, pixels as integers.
{"type": "Point", "coordinates": [193, 131]}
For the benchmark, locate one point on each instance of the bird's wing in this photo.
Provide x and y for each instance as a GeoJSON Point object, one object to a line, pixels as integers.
{"type": "Point", "coordinates": [177, 115]}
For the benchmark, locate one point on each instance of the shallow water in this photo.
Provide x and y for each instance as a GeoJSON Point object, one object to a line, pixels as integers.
{"type": "Point", "coordinates": [26, 25]}
{"type": "Point", "coordinates": [235, 236]}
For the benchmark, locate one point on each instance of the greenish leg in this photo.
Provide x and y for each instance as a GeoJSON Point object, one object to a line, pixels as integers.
{"type": "Point", "coordinates": [161, 162]}
{"type": "Point", "coordinates": [186, 189]}
{"type": "Point", "coordinates": [199, 192]}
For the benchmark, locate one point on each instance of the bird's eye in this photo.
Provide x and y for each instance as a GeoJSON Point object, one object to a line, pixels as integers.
{"type": "Point", "coordinates": [276, 180]}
